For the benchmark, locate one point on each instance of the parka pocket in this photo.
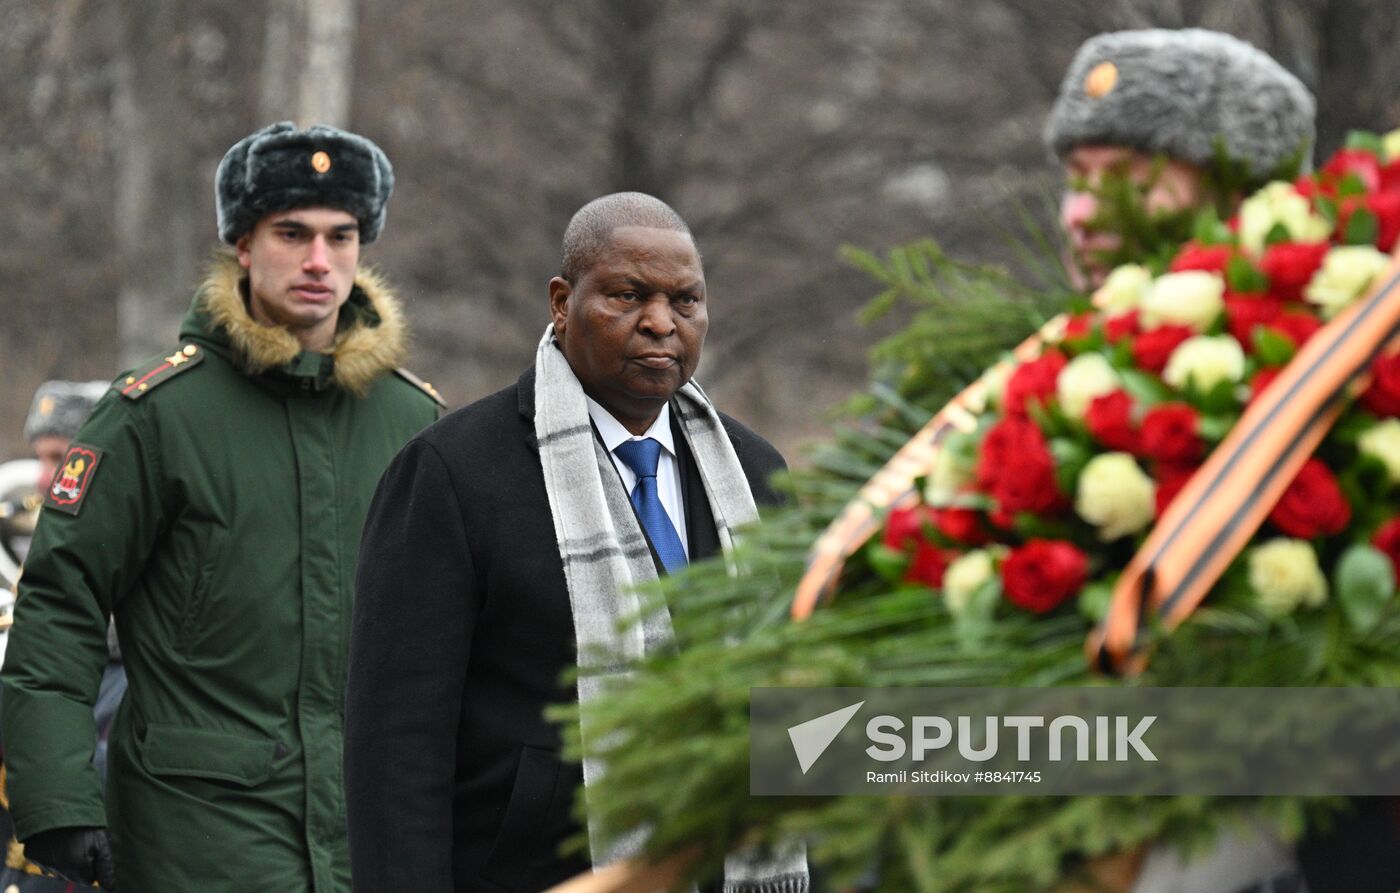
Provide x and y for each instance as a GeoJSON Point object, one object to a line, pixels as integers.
{"type": "Point", "coordinates": [200, 753]}
{"type": "Point", "coordinates": [193, 616]}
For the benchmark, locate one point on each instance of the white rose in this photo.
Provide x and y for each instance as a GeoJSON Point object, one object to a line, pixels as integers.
{"type": "Point", "coordinates": [1086, 376]}
{"type": "Point", "coordinates": [965, 576]}
{"type": "Point", "coordinates": [1205, 360]}
{"type": "Point", "coordinates": [1123, 289]}
{"type": "Point", "coordinates": [1053, 331]}
{"type": "Point", "coordinates": [1115, 495]}
{"type": "Point", "coordinates": [1284, 575]}
{"type": "Point", "coordinates": [1344, 276]}
{"type": "Point", "coordinates": [1279, 204]}
{"type": "Point", "coordinates": [950, 475]}
{"type": "Point", "coordinates": [1390, 143]}
{"type": "Point", "coordinates": [1191, 298]}
{"type": "Point", "coordinates": [1383, 442]}
{"type": "Point", "coordinates": [993, 383]}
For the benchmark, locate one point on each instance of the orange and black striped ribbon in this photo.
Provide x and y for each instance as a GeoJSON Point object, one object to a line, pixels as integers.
{"type": "Point", "coordinates": [892, 487]}
{"type": "Point", "coordinates": [1226, 501]}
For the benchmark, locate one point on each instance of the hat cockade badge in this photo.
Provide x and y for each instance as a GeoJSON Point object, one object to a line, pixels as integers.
{"type": "Point", "coordinates": [1101, 80]}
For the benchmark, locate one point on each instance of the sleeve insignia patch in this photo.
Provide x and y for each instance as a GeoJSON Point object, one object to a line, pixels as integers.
{"type": "Point", "coordinates": [73, 479]}
{"type": "Point", "coordinates": [137, 385]}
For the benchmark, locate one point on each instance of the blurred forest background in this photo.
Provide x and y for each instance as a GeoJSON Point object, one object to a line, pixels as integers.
{"type": "Point", "coordinates": [780, 130]}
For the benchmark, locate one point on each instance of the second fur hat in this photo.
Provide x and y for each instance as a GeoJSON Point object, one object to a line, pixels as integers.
{"type": "Point", "coordinates": [1180, 93]}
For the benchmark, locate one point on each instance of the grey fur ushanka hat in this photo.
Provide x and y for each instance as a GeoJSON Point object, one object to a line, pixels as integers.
{"type": "Point", "coordinates": [60, 408]}
{"type": "Point", "coordinates": [280, 168]}
{"type": "Point", "coordinates": [1178, 92]}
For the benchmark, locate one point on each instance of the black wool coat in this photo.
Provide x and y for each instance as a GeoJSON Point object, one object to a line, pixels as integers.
{"type": "Point", "coordinates": [462, 630]}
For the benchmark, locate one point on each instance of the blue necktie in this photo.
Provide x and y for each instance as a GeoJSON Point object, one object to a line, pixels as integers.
{"type": "Point", "coordinates": [642, 457]}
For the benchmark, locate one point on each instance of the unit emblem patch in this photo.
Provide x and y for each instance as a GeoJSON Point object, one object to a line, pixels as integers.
{"type": "Point", "coordinates": [73, 479]}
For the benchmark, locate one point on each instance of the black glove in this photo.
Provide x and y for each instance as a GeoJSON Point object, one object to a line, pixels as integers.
{"type": "Point", "coordinates": [79, 854]}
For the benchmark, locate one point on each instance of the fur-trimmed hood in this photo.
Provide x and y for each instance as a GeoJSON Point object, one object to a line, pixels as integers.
{"type": "Point", "coordinates": [371, 337]}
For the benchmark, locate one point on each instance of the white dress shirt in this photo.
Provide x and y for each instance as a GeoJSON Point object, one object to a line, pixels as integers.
{"type": "Point", "coordinates": [668, 475]}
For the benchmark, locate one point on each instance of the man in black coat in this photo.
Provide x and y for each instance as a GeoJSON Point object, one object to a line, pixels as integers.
{"type": "Point", "coordinates": [463, 621]}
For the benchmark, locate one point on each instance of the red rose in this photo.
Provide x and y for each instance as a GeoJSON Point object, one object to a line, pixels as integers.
{"type": "Point", "coordinates": [1079, 325]}
{"type": "Point", "coordinates": [1124, 325]}
{"type": "Point", "coordinates": [1153, 348]}
{"type": "Point", "coordinates": [959, 525]}
{"type": "Point", "coordinates": [1390, 177]}
{"type": "Point", "coordinates": [1042, 574]}
{"type": "Point", "coordinates": [1387, 539]}
{"type": "Point", "coordinates": [1027, 485]}
{"type": "Point", "coordinates": [1015, 466]}
{"type": "Point", "coordinates": [1261, 381]}
{"type": "Point", "coordinates": [1007, 436]}
{"type": "Point", "coordinates": [1242, 314]}
{"type": "Point", "coordinates": [1171, 432]}
{"type": "Point", "coordinates": [904, 528]}
{"type": "Point", "coordinates": [1296, 327]}
{"type": "Point", "coordinates": [1383, 395]}
{"type": "Point", "coordinates": [1170, 481]}
{"type": "Point", "coordinates": [1195, 256]}
{"type": "Point", "coordinates": [1109, 419]}
{"type": "Point", "coordinates": [928, 566]}
{"type": "Point", "coordinates": [1364, 164]}
{"type": "Point", "coordinates": [1386, 207]}
{"type": "Point", "coordinates": [1312, 505]}
{"type": "Point", "coordinates": [1308, 187]}
{"type": "Point", "coordinates": [1033, 382]}
{"type": "Point", "coordinates": [1290, 266]}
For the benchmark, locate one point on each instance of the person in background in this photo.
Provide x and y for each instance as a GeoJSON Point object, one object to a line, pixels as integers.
{"type": "Point", "coordinates": [1152, 126]}
{"type": "Point", "coordinates": [59, 408]}
{"type": "Point", "coordinates": [55, 414]}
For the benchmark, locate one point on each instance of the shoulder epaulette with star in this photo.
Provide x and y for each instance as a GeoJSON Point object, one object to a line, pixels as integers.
{"type": "Point", "coordinates": [420, 384]}
{"type": "Point", "coordinates": [140, 383]}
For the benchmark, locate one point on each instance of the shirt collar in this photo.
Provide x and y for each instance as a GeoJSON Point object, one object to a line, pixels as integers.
{"type": "Point", "coordinates": [614, 433]}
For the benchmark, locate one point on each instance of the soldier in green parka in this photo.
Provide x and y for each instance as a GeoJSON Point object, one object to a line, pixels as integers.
{"type": "Point", "coordinates": [213, 504]}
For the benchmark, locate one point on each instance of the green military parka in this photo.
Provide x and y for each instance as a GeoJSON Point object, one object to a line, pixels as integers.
{"type": "Point", "coordinates": [218, 515]}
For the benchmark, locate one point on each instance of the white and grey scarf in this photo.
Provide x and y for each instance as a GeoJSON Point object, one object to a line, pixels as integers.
{"type": "Point", "coordinates": [606, 556]}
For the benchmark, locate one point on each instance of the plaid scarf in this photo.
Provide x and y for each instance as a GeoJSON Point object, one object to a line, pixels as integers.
{"type": "Point", "coordinates": [605, 556]}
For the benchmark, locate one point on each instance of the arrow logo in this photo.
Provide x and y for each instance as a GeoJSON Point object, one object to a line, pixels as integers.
{"type": "Point", "coordinates": [811, 738]}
